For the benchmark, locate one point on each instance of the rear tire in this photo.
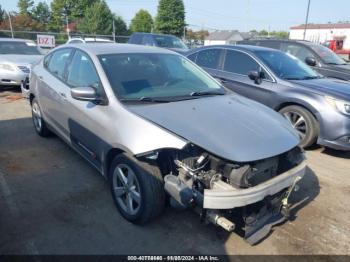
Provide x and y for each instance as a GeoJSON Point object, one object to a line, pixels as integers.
{"type": "Point", "coordinates": [303, 122]}
{"type": "Point", "coordinates": [38, 121]}
{"type": "Point", "coordinates": [137, 189]}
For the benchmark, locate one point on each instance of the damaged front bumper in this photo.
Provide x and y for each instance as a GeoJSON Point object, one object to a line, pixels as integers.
{"type": "Point", "coordinates": [224, 196]}
{"type": "Point", "coordinates": [261, 206]}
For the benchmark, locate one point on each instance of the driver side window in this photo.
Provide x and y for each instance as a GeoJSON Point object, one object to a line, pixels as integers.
{"type": "Point", "coordinates": [82, 72]}
{"type": "Point", "coordinates": [241, 63]}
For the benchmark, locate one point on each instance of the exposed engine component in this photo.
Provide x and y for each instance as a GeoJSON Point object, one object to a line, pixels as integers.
{"type": "Point", "coordinates": [179, 191]}
{"type": "Point", "coordinates": [196, 171]}
{"type": "Point", "coordinates": [216, 219]}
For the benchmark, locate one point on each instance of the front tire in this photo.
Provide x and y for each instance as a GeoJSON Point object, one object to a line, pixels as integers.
{"type": "Point", "coordinates": [38, 121]}
{"type": "Point", "coordinates": [303, 122]}
{"type": "Point", "coordinates": [137, 189]}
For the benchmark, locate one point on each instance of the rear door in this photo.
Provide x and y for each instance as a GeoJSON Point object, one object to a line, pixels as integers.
{"type": "Point", "coordinates": [210, 60]}
{"type": "Point", "coordinates": [51, 88]}
{"type": "Point", "coordinates": [236, 67]}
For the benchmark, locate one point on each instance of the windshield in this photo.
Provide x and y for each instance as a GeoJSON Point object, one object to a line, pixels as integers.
{"type": "Point", "coordinates": [327, 55]}
{"type": "Point", "coordinates": [138, 76]}
{"type": "Point", "coordinates": [169, 42]}
{"type": "Point", "coordinates": [19, 48]}
{"type": "Point", "coordinates": [286, 66]}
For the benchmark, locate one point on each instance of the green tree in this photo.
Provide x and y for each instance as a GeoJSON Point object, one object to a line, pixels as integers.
{"type": "Point", "coordinates": [22, 23]}
{"type": "Point", "coordinates": [282, 34]}
{"type": "Point", "coordinates": [75, 10]}
{"type": "Point", "coordinates": [25, 6]}
{"type": "Point", "coordinates": [142, 22]}
{"type": "Point", "coordinates": [263, 33]}
{"type": "Point", "coordinates": [2, 14]}
{"type": "Point", "coordinates": [41, 13]}
{"type": "Point", "coordinates": [170, 17]}
{"type": "Point", "coordinates": [120, 26]}
{"type": "Point", "coordinates": [97, 19]}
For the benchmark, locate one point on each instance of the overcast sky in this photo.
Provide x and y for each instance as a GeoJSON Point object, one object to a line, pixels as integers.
{"type": "Point", "coordinates": [243, 15]}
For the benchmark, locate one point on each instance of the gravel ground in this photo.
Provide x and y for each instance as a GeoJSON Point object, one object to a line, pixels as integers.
{"type": "Point", "coordinates": [53, 202]}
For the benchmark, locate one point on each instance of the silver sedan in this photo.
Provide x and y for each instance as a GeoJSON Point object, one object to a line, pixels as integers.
{"type": "Point", "coordinates": [17, 56]}
{"type": "Point", "coordinates": [156, 125]}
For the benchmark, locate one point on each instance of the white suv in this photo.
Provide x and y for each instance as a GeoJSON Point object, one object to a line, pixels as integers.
{"type": "Point", "coordinates": [88, 40]}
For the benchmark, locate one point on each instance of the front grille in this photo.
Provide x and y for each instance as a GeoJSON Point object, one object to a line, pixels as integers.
{"type": "Point", "coordinates": [24, 69]}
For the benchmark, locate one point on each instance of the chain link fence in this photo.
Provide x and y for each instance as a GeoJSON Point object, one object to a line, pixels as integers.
{"type": "Point", "coordinates": [60, 38]}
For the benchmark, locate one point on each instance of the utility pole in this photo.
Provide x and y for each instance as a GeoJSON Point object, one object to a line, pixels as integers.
{"type": "Point", "coordinates": [9, 15]}
{"type": "Point", "coordinates": [65, 12]}
{"type": "Point", "coordinates": [113, 30]}
{"type": "Point", "coordinates": [307, 18]}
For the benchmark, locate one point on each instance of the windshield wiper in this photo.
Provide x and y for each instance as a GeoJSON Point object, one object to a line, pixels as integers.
{"type": "Point", "coordinates": [145, 99]}
{"type": "Point", "coordinates": [292, 78]}
{"type": "Point", "coordinates": [310, 77]}
{"type": "Point", "coordinates": [207, 93]}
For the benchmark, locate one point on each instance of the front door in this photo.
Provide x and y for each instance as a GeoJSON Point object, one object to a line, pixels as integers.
{"type": "Point", "coordinates": [84, 118]}
{"type": "Point", "coordinates": [237, 66]}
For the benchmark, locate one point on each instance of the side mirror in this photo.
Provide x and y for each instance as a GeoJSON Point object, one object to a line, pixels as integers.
{"type": "Point", "coordinates": [84, 94]}
{"type": "Point", "coordinates": [310, 61]}
{"type": "Point", "coordinates": [255, 76]}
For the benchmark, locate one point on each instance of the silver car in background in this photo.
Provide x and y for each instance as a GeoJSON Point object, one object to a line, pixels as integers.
{"type": "Point", "coordinates": [17, 56]}
{"type": "Point", "coordinates": [160, 128]}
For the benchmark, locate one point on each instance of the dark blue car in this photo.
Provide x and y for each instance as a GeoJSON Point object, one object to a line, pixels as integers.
{"type": "Point", "coordinates": [159, 40]}
{"type": "Point", "coordinates": [317, 107]}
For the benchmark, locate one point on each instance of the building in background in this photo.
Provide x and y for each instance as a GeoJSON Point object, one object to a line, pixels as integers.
{"type": "Point", "coordinates": [321, 33]}
{"type": "Point", "coordinates": [226, 37]}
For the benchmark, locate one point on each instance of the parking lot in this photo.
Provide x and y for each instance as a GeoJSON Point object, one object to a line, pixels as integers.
{"type": "Point", "coordinates": [53, 202]}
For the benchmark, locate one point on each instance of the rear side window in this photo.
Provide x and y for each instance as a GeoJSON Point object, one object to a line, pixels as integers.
{"type": "Point", "coordinates": [47, 60]}
{"type": "Point", "coordinates": [241, 63]}
{"type": "Point", "coordinates": [82, 72]}
{"type": "Point", "coordinates": [58, 61]}
{"type": "Point", "coordinates": [209, 58]}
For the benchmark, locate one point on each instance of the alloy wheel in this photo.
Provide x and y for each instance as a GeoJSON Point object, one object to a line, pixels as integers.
{"type": "Point", "coordinates": [298, 122]}
{"type": "Point", "coordinates": [37, 119]}
{"type": "Point", "coordinates": [127, 189]}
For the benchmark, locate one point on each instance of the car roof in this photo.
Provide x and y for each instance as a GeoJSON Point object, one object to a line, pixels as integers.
{"type": "Point", "coordinates": [249, 48]}
{"type": "Point", "coordinates": [141, 33]}
{"type": "Point", "coordinates": [280, 40]}
{"type": "Point", "coordinates": [90, 39]}
{"type": "Point", "coordinates": [113, 48]}
{"type": "Point", "coordinates": [3, 39]}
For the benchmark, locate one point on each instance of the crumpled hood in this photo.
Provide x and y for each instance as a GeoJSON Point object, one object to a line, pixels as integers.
{"type": "Point", "coordinates": [230, 126]}
{"type": "Point", "coordinates": [327, 86]}
{"type": "Point", "coordinates": [21, 59]}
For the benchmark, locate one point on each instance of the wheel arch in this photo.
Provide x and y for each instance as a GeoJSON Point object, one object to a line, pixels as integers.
{"type": "Point", "coordinates": [304, 105]}
{"type": "Point", "coordinates": [108, 159]}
